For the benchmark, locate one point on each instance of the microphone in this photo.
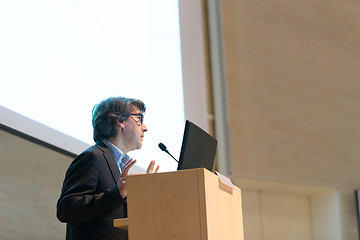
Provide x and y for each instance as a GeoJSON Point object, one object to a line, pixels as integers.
{"type": "Point", "coordinates": [163, 148]}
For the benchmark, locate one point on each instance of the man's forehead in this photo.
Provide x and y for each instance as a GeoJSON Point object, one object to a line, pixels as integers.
{"type": "Point", "coordinates": [135, 110]}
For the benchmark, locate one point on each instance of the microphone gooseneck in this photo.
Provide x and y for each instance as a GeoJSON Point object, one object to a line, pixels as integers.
{"type": "Point", "coordinates": [163, 148]}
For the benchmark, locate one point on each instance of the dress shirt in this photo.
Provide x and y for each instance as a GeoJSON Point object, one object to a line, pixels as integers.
{"type": "Point", "coordinates": [120, 158]}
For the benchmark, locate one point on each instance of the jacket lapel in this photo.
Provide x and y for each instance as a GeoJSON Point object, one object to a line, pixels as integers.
{"type": "Point", "coordinates": [109, 158]}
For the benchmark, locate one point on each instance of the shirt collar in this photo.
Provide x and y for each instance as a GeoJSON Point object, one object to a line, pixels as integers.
{"type": "Point", "coordinates": [119, 156]}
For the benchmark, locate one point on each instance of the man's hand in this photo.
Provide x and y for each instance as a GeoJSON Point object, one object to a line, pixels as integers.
{"type": "Point", "coordinates": [122, 181]}
{"type": "Point", "coordinates": [151, 167]}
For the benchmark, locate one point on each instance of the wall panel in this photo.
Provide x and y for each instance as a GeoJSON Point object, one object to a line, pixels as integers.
{"type": "Point", "coordinates": [30, 183]}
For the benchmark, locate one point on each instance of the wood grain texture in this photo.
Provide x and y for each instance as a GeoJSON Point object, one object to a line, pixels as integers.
{"type": "Point", "coordinates": [187, 204]}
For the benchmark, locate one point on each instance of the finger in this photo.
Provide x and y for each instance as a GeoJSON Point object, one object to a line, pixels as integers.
{"type": "Point", "coordinates": [151, 167]}
{"type": "Point", "coordinates": [157, 169]}
{"type": "Point", "coordinates": [122, 187]}
{"type": "Point", "coordinates": [129, 162]}
{"type": "Point", "coordinates": [127, 167]}
{"type": "Point", "coordinates": [122, 180]}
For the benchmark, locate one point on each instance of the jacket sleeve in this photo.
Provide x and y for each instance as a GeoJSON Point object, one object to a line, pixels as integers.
{"type": "Point", "coordinates": [80, 199]}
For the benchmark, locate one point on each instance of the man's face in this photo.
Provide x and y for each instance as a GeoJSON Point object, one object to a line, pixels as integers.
{"type": "Point", "coordinates": [134, 130]}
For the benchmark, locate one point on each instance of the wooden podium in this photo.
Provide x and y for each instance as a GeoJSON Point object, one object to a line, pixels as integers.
{"type": "Point", "coordinates": [187, 204]}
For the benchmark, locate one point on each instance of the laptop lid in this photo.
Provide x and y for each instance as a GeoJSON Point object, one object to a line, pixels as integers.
{"type": "Point", "coordinates": [198, 148]}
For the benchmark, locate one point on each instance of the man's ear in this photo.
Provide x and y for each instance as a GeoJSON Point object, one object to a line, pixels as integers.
{"type": "Point", "coordinates": [120, 124]}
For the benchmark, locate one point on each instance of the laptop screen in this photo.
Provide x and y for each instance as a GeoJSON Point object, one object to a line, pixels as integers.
{"type": "Point", "coordinates": [198, 148]}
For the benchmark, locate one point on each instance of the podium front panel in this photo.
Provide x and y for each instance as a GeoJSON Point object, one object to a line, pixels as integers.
{"type": "Point", "coordinates": [165, 206]}
{"type": "Point", "coordinates": [183, 205]}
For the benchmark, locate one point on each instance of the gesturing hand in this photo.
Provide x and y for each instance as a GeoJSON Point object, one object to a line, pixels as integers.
{"type": "Point", "coordinates": [122, 181]}
{"type": "Point", "coordinates": [151, 167]}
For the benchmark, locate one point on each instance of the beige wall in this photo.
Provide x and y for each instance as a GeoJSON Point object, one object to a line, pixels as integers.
{"type": "Point", "coordinates": [292, 71]}
{"type": "Point", "coordinates": [30, 183]}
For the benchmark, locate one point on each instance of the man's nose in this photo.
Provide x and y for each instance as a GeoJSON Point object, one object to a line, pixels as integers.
{"type": "Point", "coordinates": [145, 128]}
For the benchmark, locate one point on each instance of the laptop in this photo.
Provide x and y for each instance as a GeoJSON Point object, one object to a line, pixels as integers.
{"type": "Point", "coordinates": [198, 148]}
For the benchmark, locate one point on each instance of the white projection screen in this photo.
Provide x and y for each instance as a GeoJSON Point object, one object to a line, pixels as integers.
{"type": "Point", "coordinates": [59, 58]}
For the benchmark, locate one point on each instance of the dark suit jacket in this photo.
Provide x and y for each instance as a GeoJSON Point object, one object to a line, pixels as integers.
{"type": "Point", "coordinates": [90, 198]}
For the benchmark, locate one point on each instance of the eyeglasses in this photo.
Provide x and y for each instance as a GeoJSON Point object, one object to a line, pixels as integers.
{"type": "Point", "coordinates": [139, 119]}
